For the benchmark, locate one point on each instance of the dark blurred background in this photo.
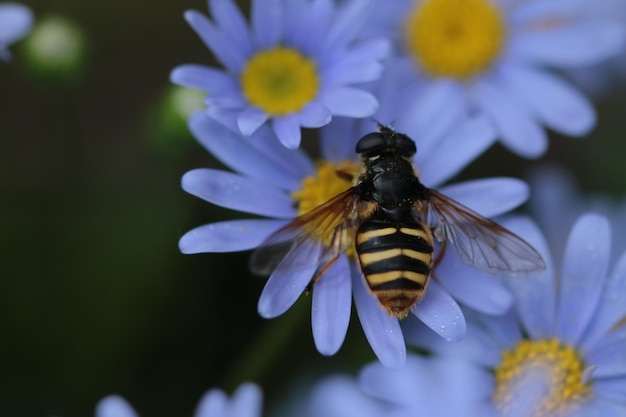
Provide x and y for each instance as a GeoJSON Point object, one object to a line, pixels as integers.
{"type": "Point", "coordinates": [95, 297]}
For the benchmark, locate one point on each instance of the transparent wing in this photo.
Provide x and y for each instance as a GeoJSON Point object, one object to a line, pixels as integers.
{"type": "Point", "coordinates": [331, 224]}
{"type": "Point", "coordinates": [480, 242]}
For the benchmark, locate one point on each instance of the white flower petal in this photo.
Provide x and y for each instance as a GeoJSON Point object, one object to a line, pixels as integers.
{"type": "Point", "coordinates": [330, 312]}
{"type": "Point", "coordinates": [228, 236]}
{"type": "Point", "coordinates": [441, 313]}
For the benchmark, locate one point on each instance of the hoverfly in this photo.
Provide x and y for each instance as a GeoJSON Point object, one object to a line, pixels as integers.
{"type": "Point", "coordinates": [393, 221]}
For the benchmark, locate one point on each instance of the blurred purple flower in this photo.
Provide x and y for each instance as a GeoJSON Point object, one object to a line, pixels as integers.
{"type": "Point", "coordinates": [247, 401]}
{"type": "Point", "coordinates": [16, 21]}
{"type": "Point", "coordinates": [493, 58]}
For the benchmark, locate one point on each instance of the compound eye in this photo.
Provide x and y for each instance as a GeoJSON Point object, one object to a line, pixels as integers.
{"type": "Point", "coordinates": [371, 142]}
{"type": "Point", "coordinates": [406, 145]}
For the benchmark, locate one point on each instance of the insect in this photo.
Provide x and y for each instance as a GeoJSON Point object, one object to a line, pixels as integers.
{"type": "Point", "coordinates": [393, 222]}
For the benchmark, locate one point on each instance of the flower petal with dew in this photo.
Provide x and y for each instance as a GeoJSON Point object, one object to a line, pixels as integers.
{"type": "Point", "coordinates": [558, 352]}
{"type": "Point", "coordinates": [497, 59]}
{"type": "Point", "coordinates": [296, 65]}
{"type": "Point", "coordinates": [291, 184]}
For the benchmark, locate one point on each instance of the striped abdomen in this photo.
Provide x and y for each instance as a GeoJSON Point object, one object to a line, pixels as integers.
{"type": "Point", "coordinates": [396, 260]}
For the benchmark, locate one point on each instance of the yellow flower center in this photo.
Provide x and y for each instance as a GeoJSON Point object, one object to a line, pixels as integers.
{"type": "Point", "coordinates": [330, 180]}
{"type": "Point", "coordinates": [455, 38]}
{"type": "Point", "coordinates": [279, 81]}
{"type": "Point", "coordinates": [543, 377]}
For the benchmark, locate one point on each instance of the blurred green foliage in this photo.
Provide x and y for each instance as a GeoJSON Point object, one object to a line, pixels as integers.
{"type": "Point", "coordinates": [95, 297]}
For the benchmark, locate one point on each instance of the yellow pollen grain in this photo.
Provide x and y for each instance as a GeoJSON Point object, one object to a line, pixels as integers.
{"type": "Point", "coordinates": [319, 188]}
{"type": "Point", "coordinates": [454, 38]}
{"type": "Point", "coordinates": [280, 81]}
{"type": "Point", "coordinates": [560, 363]}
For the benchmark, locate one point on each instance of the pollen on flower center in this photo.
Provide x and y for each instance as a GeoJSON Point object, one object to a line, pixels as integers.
{"type": "Point", "coordinates": [544, 377]}
{"type": "Point", "coordinates": [329, 181]}
{"type": "Point", "coordinates": [279, 81]}
{"type": "Point", "coordinates": [454, 38]}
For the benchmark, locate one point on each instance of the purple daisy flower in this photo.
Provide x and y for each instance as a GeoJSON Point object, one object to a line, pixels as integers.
{"type": "Point", "coordinates": [15, 22]}
{"type": "Point", "coordinates": [295, 65]}
{"type": "Point", "coordinates": [494, 57]}
{"type": "Point", "coordinates": [275, 182]}
{"type": "Point", "coordinates": [560, 352]}
{"type": "Point", "coordinates": [247, 401]}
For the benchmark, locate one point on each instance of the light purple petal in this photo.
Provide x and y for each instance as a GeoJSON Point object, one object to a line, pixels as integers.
{"type": "Point", "coordinates": [240, 193]}
{"type": "Point", "coordinates": [418, 386]}
{"type": "Point", "coordinates": [214, 403]}
{"type": "Point", "coordinates": [289, 280]}
{"type": "Point", "coordinates": [433, 113]}
{"type": "Point", "coordinates": [518, 131]}
{"type": "Point", "coordinates": [232, 23]}
{"type": "Point", "coordinates": [489, 197]}
{"type": "Point", "coordinates": [247, 401]}
{"type": "Point", "coordinates": [584, 271]}
{"type": "Point", "coordinates": [612, 307]}
{"type": "Point", "coordinates": [311, 23]}
{"type": "Point", "coordinates": [339, 396]}
{"type": "Point", "coordinates": [533, 12]}
{"type": "Point", "coordinates": [612, 390]}
{"type": "Point", "coordinates": [556, 103]}
{"type": "Point", "coordinates": [348, 21]}
{"type": "Point", "coordinates": [216, 40]}
{"type": "Point", "coordinates": [267, 22]}
{"type": "Point", "coordinates": [114, 406]}
{"type": "Point", "coordinates": [338, 139]}
{"type": "Point", "coordinates": [204, 78]}
{"type": "Point", "coordinates": [15, 22]}
{"type": "Point", "coordinates": [228, 236]}
{"type": "Point", "coordinates": [534, 293]}
{"type": "Point", "coordinates": [455, 151]}
{"type": "Point", "coordinates": [314, 115]}
{"type": "Point", "coordinates": [382, 331]}
{"type": "Point", "coordinates": [471, 287]}
{"type": "Point", "coordinates": [332, 302]}
{"type": "Point", "coordinates": [609, 355]}
{"type": "Point", "coordinates": [357, 65]}
{"type": "Point", "coordinates": [240, 153]}
{"type": "Point", "coordinates": [287, 130]}
{"type": "Point", "coordinates": [581, 43]}
{"type": "Point", "coordinates": [250, 120]}
{"type": "Point", "coordinates": [441, 313]}
{"type": "Point", "coordinates": [350, 102]}
{"type": "Point", "coordinates": [477, 346]}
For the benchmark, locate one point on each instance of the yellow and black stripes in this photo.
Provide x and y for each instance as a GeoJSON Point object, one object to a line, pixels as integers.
{"type": "Point", "coordinates": [396, 260]}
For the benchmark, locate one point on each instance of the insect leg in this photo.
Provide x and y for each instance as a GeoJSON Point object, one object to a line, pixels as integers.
{"type": "Point", "coordinates": [321, 271]}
